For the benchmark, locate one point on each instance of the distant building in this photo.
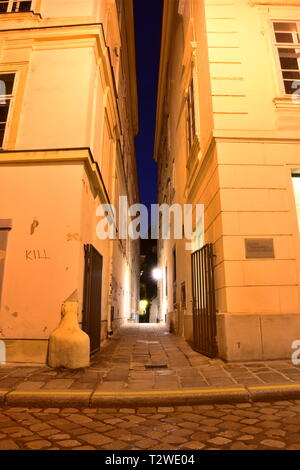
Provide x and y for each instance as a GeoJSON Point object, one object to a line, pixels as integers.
{"type": "Point", "coordinates": [148, 285]}
{"type": "Point", "coordinates": [68, 120]}
{"type": "Point", "coordinates": [228, 136]}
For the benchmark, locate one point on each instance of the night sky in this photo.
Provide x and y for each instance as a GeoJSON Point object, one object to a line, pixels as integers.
{"type": "Point", "coordinates": [148, 18]}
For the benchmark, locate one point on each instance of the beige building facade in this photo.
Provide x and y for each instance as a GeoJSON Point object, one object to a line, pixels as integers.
{"type": "Point", "coordinates": [228, 137]}
{"type": "Point", "coordinates": [68, 120]}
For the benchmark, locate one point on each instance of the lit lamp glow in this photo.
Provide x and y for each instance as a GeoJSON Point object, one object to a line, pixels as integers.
{"type": "Point", "coordinates": [143, 306]}
{"type": "Point", "coordinates": [157, 274]}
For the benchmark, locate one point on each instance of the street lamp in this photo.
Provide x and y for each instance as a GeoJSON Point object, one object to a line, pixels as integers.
{"type": "Point", "coordinates": [157, 274]}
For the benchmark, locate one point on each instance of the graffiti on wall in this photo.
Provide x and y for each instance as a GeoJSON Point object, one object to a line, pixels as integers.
{"type": "Point", "coordinates": [35, 255]}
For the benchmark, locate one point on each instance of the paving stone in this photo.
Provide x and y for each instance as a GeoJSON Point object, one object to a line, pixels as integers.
{"type": "Point", "coordinates": [69, 443]}
{"type": "Point", "coordinates": [165, 409]}
{"type": "Point", "coordinates": [52, 410]}
{"type": "Point", "coordinates": [275, 433]}
{"type": "Point", "coordinates": [147, 443]}
{"type": "Point", "coordinates": [219, 441]}
{"type": "Point", "coordinates": [146, 410]}
{"type": "Point", "coordinates": [83, 448]}
{"type": "Point", "coordinates": [47, 432]}
{"type": "Point", "coordinates": [245, 437]}
{"type": "Point", "coordinates": [242, 446]}
{"type": "Point", "coordinates": [30, 386]}
{"type": "Point", "coordinates": [40, 427]}
{"type": "Point", "coordinates": [58, 384]}
{"type": "Point", "coordinates": [249, 421]}
{"type": "Point", "coordinates": [251, 430]}
{"type": "Point", "coordinates": [115, 445]}
{"type": "Point", "coordinates": [95, 439]}
{"type": "Point", "coordinates": [273, 444]}
{"type": "Point", "coordinates": [22, 433]}
{"type": "Point", "coordinates": [38, 444]}
{"type": "Point", "coordinates": [23, 371]}
{"type": "Point", "coordinates": [79, 419]}
{"type": "Point", "coordinates": [193, 445]}
{"type": "Point", "coordinates": [228, 434]}
{"type": "Point", "coordinates": [269, 425]}
{"type": "Point", "coordinates": [8, 444]}
{"type": "Point", "coordinates": [174, 439]}
{"type": "Point", "coordinates": [60, 436]}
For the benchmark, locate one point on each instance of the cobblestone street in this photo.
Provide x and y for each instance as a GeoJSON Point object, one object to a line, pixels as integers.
{"type": "Point", "coordinates": [147, 357]}
{"type": "Point", "coordinates": [210, 427]}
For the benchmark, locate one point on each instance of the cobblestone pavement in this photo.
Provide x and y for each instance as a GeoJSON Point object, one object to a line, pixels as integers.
{"type": "Point", "coordinates": [147, 357]}
{"type": "Point", "coordinates": [229, 427]}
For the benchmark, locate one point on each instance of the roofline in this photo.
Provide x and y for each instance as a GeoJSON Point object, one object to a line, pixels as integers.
{"type": "Point", "coordinates": [130, 32]}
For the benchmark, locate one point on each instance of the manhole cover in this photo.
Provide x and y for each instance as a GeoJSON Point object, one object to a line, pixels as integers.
{"type": "Point", "coordinates": [156, 366]}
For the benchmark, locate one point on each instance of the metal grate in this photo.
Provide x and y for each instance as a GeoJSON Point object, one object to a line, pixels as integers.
{"type": "Point", "coordinates": [204, 307]}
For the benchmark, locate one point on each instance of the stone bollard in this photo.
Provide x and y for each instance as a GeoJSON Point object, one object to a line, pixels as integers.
{"type": "Point", "coordinates": [69, 346]}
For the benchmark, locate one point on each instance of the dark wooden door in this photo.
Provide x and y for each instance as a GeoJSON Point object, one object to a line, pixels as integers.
{"type": "Point", "coordinates": [204, 307]}
{"type": "Point", "coordinates": [5, 227]}
{"type": "Point", "coordinates": [92, 296]}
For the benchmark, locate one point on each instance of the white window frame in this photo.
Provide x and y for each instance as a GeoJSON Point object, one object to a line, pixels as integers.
{"type": "Point", "coordinates": [9, 97]}
{"type": "Point", "coordinates": [278, 45]}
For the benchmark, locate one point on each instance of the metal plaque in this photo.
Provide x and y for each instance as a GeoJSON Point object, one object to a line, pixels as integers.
{"type": "Point", "coordinates": [259, 248]}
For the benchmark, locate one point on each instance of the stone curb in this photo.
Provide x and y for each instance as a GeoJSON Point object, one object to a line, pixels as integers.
{"type": "Point", "coordinates": [89, 398]}
{"type": "Point", "coordinates": [274, 392]}
{"type": "Point", "coordinates": [48, 399]}
{"type": "Point", "coordinates": [167, 398]}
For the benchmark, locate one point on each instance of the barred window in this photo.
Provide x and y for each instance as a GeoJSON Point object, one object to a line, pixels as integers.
{"type": "Point", "coordinates": [6, 97]}
{"type": "Point", "coordinates": [287, 42]}
{"type": "Point", "coordinates": [15, 6]}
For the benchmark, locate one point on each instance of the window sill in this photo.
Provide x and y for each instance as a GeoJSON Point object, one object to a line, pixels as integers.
{"type": "Point", "coordinates": [287, 103]}
{"type": "Point", "coordinates": [22, 15]}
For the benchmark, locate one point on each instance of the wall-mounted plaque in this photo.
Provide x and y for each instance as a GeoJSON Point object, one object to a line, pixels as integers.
{"type": "Point", "coordinates": [259, 248]}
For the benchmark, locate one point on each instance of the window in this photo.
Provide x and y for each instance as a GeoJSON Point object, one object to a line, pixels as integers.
{"type": "Point", "coordinates": [169, 191]}
{"type": "Point", "coordinates": [296, 188]}
{"type": "Point", "coordinates": [183, 295]}
{"type": "Point", "coordinates": [166, 281]}
{"type": "Point", "coordinates": [6, 96]}
{"type": "Point", "coordinates": [174, 265]}
{"type": "Point", "coordinates": [287, 42]}
{"type": "Point", "coordinates": [13, 6]}
{"type": "Point", "coordinates": [191, 123]}
{"type": "Point", "coordinates": [174, 276]}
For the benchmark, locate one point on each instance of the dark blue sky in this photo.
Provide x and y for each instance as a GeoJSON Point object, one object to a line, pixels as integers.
{"type": "Point", "coordinates": [148, 18]}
